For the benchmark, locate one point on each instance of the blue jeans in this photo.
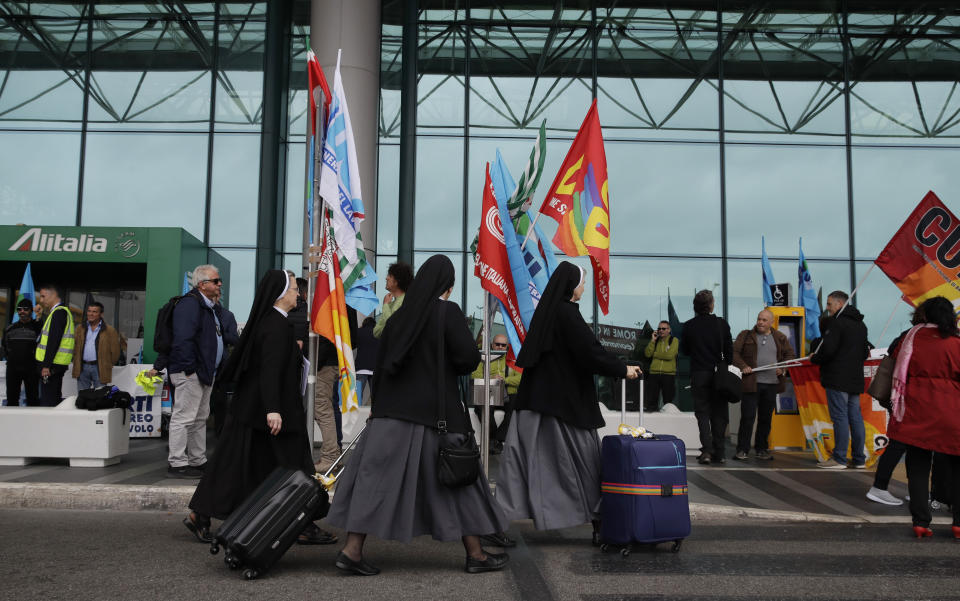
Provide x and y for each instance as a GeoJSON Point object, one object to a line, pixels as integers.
{"type": "Point", "coordinates": [89, 377]}
{"type": "Point", "coordinates": [847, 426]}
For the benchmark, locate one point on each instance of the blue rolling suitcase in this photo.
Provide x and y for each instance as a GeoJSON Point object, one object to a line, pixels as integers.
{"type": "Point", "coordinates": [644, 489]}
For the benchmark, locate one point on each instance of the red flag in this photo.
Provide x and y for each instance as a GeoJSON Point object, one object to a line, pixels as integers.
{"type": "Point", "coordinates": [492, 265]}
{"type": "Point", "coordinates": [923, 257]}
{"type": "Point", "coordinates": [578, 201]}
{"type": "Point", "coordinates": [316, 78]}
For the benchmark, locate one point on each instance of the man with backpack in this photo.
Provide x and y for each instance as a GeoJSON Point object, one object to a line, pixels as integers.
{"type": "Point", "coordinates": [196, 352]}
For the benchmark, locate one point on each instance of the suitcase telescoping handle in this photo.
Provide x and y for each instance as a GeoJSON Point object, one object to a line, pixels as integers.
{"type": "Point", "coordinates": [623, 400]}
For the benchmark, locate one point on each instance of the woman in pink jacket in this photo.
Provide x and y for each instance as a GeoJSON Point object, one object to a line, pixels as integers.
{"type": "Point", "coordinates": [925, 402]}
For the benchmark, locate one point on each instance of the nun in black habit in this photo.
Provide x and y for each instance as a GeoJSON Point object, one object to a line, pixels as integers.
{"type": "Point", "coordinates": [550, 468]}
{"type": "Point", "coordinates": [390, 486]}
{"type": "Point", "coordinates": [266, 422]}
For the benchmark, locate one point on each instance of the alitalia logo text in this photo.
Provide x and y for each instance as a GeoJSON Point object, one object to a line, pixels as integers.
{"type": "Point", "coordinates": [34, 240]}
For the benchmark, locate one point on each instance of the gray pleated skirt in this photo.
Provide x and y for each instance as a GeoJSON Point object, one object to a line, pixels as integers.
{"type": "Point", "coordinates": [549, 472]}
{"type": "Point", "coordinates": [390, 489]}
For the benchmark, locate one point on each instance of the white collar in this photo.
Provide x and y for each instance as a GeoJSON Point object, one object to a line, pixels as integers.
{"type": "Point", "coordinates": [281, 311]}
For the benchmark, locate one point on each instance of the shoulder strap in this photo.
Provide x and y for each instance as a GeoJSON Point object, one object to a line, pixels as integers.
{"type": "Point", "coordinates": [441, 406]}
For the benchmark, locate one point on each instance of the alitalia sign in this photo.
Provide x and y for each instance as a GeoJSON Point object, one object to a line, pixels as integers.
{"type": "Point", "coordinates": [35, 240]}
{"type": "Point", "coordinates": [64, 243]}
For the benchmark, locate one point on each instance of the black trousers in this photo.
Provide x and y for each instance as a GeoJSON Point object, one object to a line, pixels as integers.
{"type": "Point", "coordinates": [756, 406]}
{"type": "Point", "coordinates": [498, 432]}
{"type": "Point", "coordinates": [918, 482]}
{"type": "Point", "coordinates": [50, 390]}
{"type": "Point", "coordinates": [25, 376]}
{"type": "Point", "coordinates": [657, 384]}
{"type": "Point", "coordinates": [712, 414]}
{"type": "Point", "coordinates": [887, 463]}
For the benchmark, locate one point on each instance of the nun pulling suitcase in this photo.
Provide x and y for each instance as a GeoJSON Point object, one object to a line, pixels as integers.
{"type": "Point", "coordinates": [643, 488]}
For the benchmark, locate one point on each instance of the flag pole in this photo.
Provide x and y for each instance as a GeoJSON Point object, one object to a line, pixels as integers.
{"type": "Point", "coordinates": [889, 319]}
{"type": "Point", "coordinates": [316, 229]}
{"type": "Point", "coordinates": [529, 230]}
{"type": "Point", "coordinates": [845, 303]}
{"type": "Point", "coordinates": [484, 438]}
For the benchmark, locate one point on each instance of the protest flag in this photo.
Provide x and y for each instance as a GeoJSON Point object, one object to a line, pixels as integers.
{"type": "Point", "coordinates": [807, 297]}
{"type": "Point", "coordinates": [339, 187]}
{"type": "Point", "coordinates": [922, 258]}
{"type": "Point", "coordinates": [579, 202]}
{"type": "Point", "coordinates": [26, 291]}
{"type": "Point", "coordinates": [767, 274]}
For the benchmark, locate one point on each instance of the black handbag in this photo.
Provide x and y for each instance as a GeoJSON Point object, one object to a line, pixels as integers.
{"type": "Point", "coordinates": [458, 462]}
{"type": "Point", "coordinates": [727, 384]}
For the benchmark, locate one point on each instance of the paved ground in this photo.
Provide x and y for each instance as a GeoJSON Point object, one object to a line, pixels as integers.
{"type": "Point", "coordinates": [99, 555]}
{"type": "Point", "coordinates": [791, 483]}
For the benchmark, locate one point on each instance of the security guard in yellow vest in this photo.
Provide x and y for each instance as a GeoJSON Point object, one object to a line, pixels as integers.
{"type": "Point", "coordinates": [55, 349]}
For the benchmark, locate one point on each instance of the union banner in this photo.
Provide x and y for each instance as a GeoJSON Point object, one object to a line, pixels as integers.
{"type": "Point", "coordinates": [923, 257]}
{"type": "Point", "coordinates": [815, 414]}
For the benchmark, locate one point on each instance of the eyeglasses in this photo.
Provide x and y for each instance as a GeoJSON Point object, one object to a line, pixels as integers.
{"type": "Point", "coordinates": [214, 281]}
{"type": "Point", "coordinates": [663, 328]}
{"type": "Point", "coordinates": [499, 345]}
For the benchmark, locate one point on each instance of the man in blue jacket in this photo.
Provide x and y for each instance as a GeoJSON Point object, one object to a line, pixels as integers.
{"type": "Point", "coordinates": [195, 355]}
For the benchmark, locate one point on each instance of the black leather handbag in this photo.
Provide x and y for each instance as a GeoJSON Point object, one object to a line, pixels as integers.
{"type": "Point", "coordinates": [458, 462]}
{"type": "Point", "coordinates": [727, 384]}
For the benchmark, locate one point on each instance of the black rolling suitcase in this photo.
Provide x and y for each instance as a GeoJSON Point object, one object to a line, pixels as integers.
{"type": "Point", "coordinates": [261, 530]}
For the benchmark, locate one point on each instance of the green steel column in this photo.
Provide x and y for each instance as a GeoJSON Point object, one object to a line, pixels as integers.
{"type": "Point", "coordinates": [408, 133]}
{"type": "Point", "coordinates": [271, 200]}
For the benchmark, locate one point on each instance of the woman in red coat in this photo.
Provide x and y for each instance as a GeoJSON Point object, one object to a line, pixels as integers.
{"type": "Point", "coordinates": [926, 406]}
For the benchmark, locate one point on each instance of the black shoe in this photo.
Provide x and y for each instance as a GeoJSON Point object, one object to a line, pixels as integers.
{"type": "Point", "coordinates": [199, 529]}
{"type": "Point", "coordinates": [200, 467]}
{"type": "Point", "coordinates": [314, 535]}
{"type": "Point", "coordinates": [493, 562]}
{"type": "Point", "coordinates": [360, 568]}
{"type": "Point", "coordinates": [719, 460]}
{"type": "Point", "coordinates": [185, 472]}
{"type": "Point", "coordinates": [500, 539]}
{"type": "Point", "coordinates": [704, 458]}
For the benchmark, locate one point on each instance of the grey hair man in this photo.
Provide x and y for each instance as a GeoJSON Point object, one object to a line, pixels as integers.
{"type": "Point", "coordinates": [195, 356]}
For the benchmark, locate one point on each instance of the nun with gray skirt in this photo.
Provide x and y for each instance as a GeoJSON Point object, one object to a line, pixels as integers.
{"type": "Point", "coordinates": [390, 487]}
{"type": "Point", "coordinates": [550, 470]}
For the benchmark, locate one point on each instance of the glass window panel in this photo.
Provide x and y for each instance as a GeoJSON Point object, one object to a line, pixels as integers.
{"type": "Point", "coordinates": [153, 179]}
{"type": "Point", "coordinates": [791, 111]}
{"type": "Point", "coordinates": [895, 112]}
{"type": "Point", "coordinates": [502, 105]}
{"type": "Point", "coordinates": [652, 198]}
{"type": "Point", "coordinates": [243, 281]}
{"type": "Point", "coordinates": [239, 100]}
{"type": "Point", "coordinates": [150, 100]}
{"type": "Point", "coordinates": [42, 99]}
{"type": "Point", "coordinates": [28, 193]}
{"type": "Point", "coordinates": [389, 113]}
{"type": "Point", "coordinates": [440, 104]}
{"type": "Point", "coordinates": [667, 17]}
{"type": "Point", "coordinates": [889, 182]}
{"type": "Point", "coordinates": [658, 108]}
{"type": "Point", "coordinates": [294, 262]}
{"type": "Point", "coordinates": [388, 190]}
{"type": "Point", "coordinates": [296, 190]}
{"type": "Point", "coordinates": [638, 288]}
{"type": "Point", "coordinates": [784, 193]}
{"type": "Point", "coordinates": [131, 313]}
{"type": "Point", "coordinates": [885, 313]}
{"type": "Point", "coordinates": [234, 189]}
{"type": "Point", "coordinates": [48, 9]}
{"type": "Point", "coordinates": [247, 10]}
{"type": "Point", "coordinates": [745, 281]}
{"type": "Point", "coordinates": [439, 201]}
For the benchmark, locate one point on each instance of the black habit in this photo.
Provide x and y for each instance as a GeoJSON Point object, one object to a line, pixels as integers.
{"type": "Point", "coordinates": [267, 367]}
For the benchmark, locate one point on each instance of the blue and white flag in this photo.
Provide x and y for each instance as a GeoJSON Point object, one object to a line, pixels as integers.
{"type": "Point", "coordinates": [503, 188]}
{"type": "Point", "coordinates": [339, 187]}
{"type": "Point", "coordinates": [767, 274]}
{"type": "Point", "coordinates": [185, 288]}
{"type": "Point", "coordinates": [807, 297]}
{"type": "Point", "coordinates": [26, 292]}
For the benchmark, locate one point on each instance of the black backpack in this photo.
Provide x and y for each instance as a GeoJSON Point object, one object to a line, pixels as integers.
{"type": "Point", "coordinates": [163, 332]}
{"type": "Point", "coordinates": [105, 397]}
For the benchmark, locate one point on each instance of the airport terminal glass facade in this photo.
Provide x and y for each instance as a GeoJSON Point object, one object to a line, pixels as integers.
{"type": "Point", "coordinates": [723, 122]}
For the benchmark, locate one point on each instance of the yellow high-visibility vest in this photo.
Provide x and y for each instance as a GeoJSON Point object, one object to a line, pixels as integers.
{"type": "Point", "coordinates": [65, 352]}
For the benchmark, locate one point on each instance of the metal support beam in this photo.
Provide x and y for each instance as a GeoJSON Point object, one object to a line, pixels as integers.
{"type": "Point", "coordinates": [408, 134]}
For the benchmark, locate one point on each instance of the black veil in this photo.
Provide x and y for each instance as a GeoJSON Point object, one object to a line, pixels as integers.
{"type": "Point", "coordinates": [539, 339]}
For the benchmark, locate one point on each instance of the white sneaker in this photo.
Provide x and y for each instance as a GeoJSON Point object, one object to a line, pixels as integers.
{"type": "Point", "coordinates": [882, 496]}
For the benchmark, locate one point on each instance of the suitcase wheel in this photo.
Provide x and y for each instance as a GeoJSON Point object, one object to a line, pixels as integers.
{"type": "Point", "coordinates": [676, 546]}
{"type": "Point", "coordinates": [232, 562]}
{"type": "Point", "coordinates": [214, 548]}
{"type": "Point", "coordinates": [604, 547]}
{"type": "Point", "coordinates": [250, 574]}
{"type": "Point", "coordinates": [625, 552]}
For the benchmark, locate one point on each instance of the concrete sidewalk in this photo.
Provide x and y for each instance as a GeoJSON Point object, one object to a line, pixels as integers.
{"type": "Point", "coordinates": [789, 488]}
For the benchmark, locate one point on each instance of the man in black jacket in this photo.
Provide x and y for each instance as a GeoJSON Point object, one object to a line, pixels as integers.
{"type": "Point", "coordinates": [706, 340]}
{"type": "Point", "coordinates": [19, 348]}
{"type": "Point", "coordinates": [842, 352]}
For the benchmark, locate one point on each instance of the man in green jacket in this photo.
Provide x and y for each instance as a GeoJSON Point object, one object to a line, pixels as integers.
{"type": "Point", "coordinates": [661, 377]}
{"type": "Point", "coordinates": [511, 381]}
